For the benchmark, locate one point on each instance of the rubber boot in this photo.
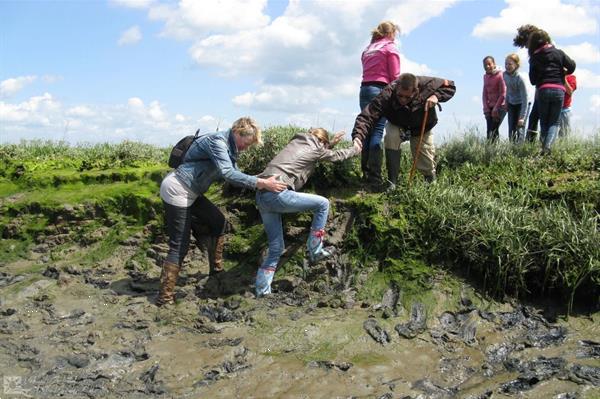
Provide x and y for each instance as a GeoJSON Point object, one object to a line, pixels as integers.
{"type": "Point", "coordinates": [215, 255]}
{"type": "Point", "coordinates": [392, 163]}
{"type": "Point", "coordinates": [364, 165]}
{"type": "Point", "coordinates": [168, 280]}
{"type": "Point", "coordinates": [264, 278]}
{"type": "Point", "coordinates": [314, 245]}
{"type": "Point", "coordinates": [375, 163]}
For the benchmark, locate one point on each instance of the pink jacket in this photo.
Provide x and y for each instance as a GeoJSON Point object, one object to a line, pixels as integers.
{"type": "Point", "coordinates": [381, 61]}
{"type": "Point", "coordinates": [494, 92]}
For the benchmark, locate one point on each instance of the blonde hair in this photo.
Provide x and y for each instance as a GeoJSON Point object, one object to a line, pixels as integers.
{"type": "Point", "coordinates": [320, 133]}
{"type": "Point", "coordinates": [247, 126]}
{"type": "Point", "coordinates": [384, 29]}
{"type": "Point", "coordinates": [515, 58]}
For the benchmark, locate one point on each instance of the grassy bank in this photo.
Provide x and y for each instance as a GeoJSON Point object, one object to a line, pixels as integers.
{"type": "Point", "coordinates": [512, 221]}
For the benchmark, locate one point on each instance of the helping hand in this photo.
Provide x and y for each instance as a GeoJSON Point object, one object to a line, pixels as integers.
{"type": "Point", "coordinates": [357, 144]}
{"type": "Point", "coordinates": [271, 184]}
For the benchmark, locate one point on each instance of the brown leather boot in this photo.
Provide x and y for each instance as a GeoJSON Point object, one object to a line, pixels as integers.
{"type": "Point", "coordinates": [215, 255]}
{"type": "Point", "coordinates": [168, 280]}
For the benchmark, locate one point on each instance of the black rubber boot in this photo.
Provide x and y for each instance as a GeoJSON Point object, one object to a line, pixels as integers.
{"type": "Point", "coordinates": [392, 163]}
{"type": "Point", "coordinates": [375, 163]}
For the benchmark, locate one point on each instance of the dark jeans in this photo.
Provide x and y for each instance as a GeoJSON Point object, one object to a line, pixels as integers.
{"type": "Point", "coordinates": [532, 124]}
{"type": "Point", "coordinates": [514, 111]}
{"type": "Point", "coordinates": [550, 102]}
{"type": "Point", "coordinates": [492, 126]}
{"type": "Point", "coordinates": [201, 217]}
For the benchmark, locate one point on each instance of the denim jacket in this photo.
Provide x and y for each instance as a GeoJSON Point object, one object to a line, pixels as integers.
{"type": "Point", "coordinates": [211, 157]}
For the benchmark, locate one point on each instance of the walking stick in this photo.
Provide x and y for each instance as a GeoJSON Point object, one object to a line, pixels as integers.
{"type": "Point", "coordinates": [418, 152]}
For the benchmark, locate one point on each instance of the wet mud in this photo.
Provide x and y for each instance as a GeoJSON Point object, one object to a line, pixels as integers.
{"type": "Point", "coordinates": [71, 332]}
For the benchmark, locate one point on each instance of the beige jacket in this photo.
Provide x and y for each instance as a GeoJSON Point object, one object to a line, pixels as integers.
{"type": "Point", "coordinates": [296, 162]}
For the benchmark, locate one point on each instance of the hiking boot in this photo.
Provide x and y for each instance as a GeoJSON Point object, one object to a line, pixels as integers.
{"type": "Point", "coordinates": [314, 245]}
{"type": "Point", "coordinates": [215, 255]}
{"type": "Point", "coordinates": [168, 280]}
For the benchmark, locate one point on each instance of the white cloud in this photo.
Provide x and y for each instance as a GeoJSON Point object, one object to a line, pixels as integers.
{"type": "Point", "coordinates": [191, 17]}
{"type": "Point", "coordinates": [411, 14]}
{"type": "Point", "coordinates": [36, 110]}
{"type": "Point", "coordinates": [595, 103]}
{"type": "Point", "coordinates": [560, 20]}
{"type": "Point", "coordinates": [584, 53]}
{"type": "Point", "coordinates": [130, 36]}
{"type": "Point", "coordinates": [46, 117]}
{"type": "Point", "coordinates": [12, 86]}
{"type": "Point", "coordinates": [587, 79]}
{"type": "Point", "coordinates": [141, 4]}
{"type": "Point", "coordinates": [80, 111]}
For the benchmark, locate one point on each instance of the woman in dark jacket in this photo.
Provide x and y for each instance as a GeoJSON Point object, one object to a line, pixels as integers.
{"type": "Point", "coordinates": [293, 166]}
{"type": "Point", "coordinates": [547, 69]}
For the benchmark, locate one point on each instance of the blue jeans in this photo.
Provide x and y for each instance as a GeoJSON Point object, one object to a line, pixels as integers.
{"type": "Point", "coordinates": [550, 103]}
{"type": "Point", "coordinates": [272, 205]}
{"type": "Point", "coordinates": [565, 122]}
{"type": "Point", "coordinates": [373, 140]}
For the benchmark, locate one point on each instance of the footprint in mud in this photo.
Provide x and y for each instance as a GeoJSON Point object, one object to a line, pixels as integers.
{"type": "Point", "coordinates": [376, 331]}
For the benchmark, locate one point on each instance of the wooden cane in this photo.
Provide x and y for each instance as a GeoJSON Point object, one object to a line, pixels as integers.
{"type": "Point", "coordinates": [418, 152]}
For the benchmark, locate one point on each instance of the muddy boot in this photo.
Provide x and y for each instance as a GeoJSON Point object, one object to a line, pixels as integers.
{"type": "Point", "coordinates": [392, 163]}
{"type": "Point", "coordinates": [375, 162]}
{"type": "Point", "coordinates": [215, 255]}
{"type": "Point", "coordinates": [264, 278]}
{"type": "Point", "coordinates": [314, 245]}
{"type": "Point", "coordinates": [168, 280]}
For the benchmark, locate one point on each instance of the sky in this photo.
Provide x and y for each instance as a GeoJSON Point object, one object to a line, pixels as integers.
{"type": "Point", "coordinates": [88, 71]}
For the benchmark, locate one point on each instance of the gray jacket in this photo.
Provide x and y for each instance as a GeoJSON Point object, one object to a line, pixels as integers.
{"type": "Point", "coordinates": [212, 157]}
{"type": "Point", "coordinates": [516, 93]}
{"type": "Point", "coordinates": [296, 162]}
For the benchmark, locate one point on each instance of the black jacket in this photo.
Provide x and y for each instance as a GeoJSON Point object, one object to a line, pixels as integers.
{"type": "Point", "coordinates": [409, 116]}
{"type": "Point", "coordinates": [546, 66]}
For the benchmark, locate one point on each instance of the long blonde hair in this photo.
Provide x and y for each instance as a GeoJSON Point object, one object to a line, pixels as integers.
{"type": "Point", "coordinates": [320, 133]}
{"type": "Point", "coordinates": [384, 29]}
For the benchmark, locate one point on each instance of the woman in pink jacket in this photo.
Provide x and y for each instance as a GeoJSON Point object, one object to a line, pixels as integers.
{"type": "Point", "coordinates": [494, 96]}
{"type": "Point", "coordinates": [380, 65]}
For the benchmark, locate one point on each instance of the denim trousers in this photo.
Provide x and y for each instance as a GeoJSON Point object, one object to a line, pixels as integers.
{"type": "Point", "coordinates": [550, 103]}
{"type": "Point", "coordinates": [565, 122]}
{"type": "Point", "coordinates": [373, 140]}
{"type": "Point", "coordinates": [201, 218]}
{"type": "Point", "coordinates": [273, 205]}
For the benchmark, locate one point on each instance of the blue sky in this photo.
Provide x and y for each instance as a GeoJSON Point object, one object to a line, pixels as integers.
{"type": "Point", "coordinates": [153, 71]}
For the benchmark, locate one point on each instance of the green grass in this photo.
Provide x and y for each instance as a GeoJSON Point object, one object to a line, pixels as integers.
{"type": "Point", "coordinates": [501, 215]}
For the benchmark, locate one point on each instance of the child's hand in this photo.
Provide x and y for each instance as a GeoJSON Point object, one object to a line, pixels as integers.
{"type": "Point", "coordinates": [521, 122]}
{"type": "Point", "coordinates": [357, 144]}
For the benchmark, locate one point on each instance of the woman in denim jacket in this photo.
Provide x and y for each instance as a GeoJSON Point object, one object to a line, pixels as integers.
{"type": "Point", "coordinates": [210, 158]}
{"type": "Point", "coordinates": [293, 166]}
